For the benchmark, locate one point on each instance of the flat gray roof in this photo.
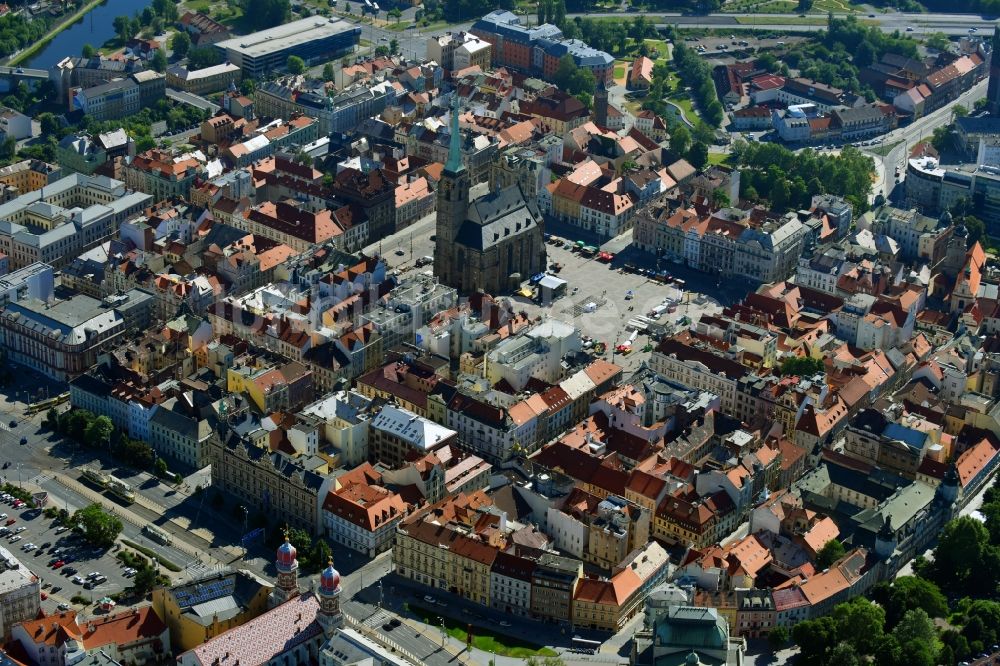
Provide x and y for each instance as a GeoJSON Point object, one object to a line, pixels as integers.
{"type": "Point", "coordinates": [286, 36]}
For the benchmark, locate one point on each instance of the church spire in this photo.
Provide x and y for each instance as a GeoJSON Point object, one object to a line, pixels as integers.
{"type": "Point", "coordinates": [454, 164]}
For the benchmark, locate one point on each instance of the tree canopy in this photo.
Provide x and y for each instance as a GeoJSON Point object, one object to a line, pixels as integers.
{"type": "Point", "coordinates": [98, 527]}
{"type": "Point", "coordinates": [803, 366]}
{"type": "Point", "coordinates": [789, 180]}
{"type": "Point", "coordinates": [260, 14]}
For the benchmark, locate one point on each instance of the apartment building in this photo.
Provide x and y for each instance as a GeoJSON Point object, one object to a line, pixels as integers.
{"type": "Point", "coordinates": [58, 222]}
{"type": "Point", "coordinates": [205, 80]}
{"type": "Point", "coordinates": [20, 593]}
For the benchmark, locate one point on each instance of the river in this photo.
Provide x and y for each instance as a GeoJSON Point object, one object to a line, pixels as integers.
{"type": "Point", "coordinates": [94, 28]}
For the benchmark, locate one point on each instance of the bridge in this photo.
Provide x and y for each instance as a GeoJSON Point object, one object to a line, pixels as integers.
{"type": "Point", "coordinates": [26, 73]}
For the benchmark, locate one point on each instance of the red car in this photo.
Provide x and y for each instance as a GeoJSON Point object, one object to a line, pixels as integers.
{"type": "Point", "coordinates": [11, 522]}
{"type": "Point", "coordinates": [44, 596]}
{"type": "Point", "coordinates": [58, 564]}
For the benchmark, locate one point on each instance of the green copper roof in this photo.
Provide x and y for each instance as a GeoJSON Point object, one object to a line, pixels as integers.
{"type": "Point", "coordinates": [454, 164]}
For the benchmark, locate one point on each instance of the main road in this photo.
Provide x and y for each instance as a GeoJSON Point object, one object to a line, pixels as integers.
{"type": "Point", "coordinates": [903, 139]}
{"type": "Point", "coordinates": [413, 42]}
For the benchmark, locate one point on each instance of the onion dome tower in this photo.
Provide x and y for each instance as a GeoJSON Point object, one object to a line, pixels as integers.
{"type": "Point", "coordinates": [329, 616]}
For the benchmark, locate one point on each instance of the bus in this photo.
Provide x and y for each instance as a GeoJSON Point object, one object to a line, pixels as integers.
{"type": "Point", "coordinates": [120, 489]}
{"type": "Point", "coordinates": [157, 534]}
{"type": "Point", "coordinates": [95, 477]}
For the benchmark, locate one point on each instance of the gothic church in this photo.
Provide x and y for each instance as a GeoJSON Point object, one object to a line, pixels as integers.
{"type": "Point", "coordinates": [491, 244]}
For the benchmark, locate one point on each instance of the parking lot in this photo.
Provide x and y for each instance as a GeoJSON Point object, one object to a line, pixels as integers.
{"type": "Point", "coordinates": [53, 544]}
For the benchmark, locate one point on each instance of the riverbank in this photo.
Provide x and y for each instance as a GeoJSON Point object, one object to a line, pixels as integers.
{"type": "Point", "coordinates": [38, 46]}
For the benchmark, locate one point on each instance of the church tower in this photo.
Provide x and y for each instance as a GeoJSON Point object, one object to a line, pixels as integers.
{"type": "Point", "coordinates": [452, 207]}
{"type": "Point", "coordinates": [993, 89]}
{"type": "Point", "coordinates": [329, 616]}
{"type": "Point", "coordinates": [287, 564]}
{"type": "Point", "coordinates": [601, 104]}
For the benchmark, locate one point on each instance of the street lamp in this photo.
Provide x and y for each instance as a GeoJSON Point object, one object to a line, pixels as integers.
{"type": "Point", "coordinates": [246, 513]}
{"type": "Point", "coordinates": [443, 635]}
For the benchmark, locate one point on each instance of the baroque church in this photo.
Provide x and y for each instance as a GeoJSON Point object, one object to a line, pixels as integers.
{"type": "Point", "coordinates": [489, 245]}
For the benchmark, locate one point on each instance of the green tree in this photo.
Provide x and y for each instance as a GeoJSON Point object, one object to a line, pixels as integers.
{"type": "Point", "coordinates": [937, 40]}
{"type": "Point", "coordinates": [907, 593]}
{"type": "Point", "coordinates": [860, 624]}
{"type": "Point", "coordinates": [394, 46]}
{"type": "Point", "coordinates": [98, 432]}
{"type": "Point", "coordinates": [321, 553]}
{"type": "Point", "coordinates": [680, 140]}
{"type": "Point", "coordinates": [159, 63]}
{"type": "Point", "coordinates": [303, 545]}
{"type": "Point", "coordinates": [917, 637]}
{"type": "Point", "coordinates": [88, 51]}
{"type": "Point", "coordinates": [806, 366]}
{"type": "Point", "coordinates": [52, 419]}
{"type": "Point", "coordinates": [328, 73]}
{"type": "Point", "coordinates": [203, 56]}
{"type": "Point", "coordinates": [719, 199]}
{"type": "Point", "coordinates": [815, 638]}
{"type": "Point", "coordinates": [123, 28]}
{"type": "Point", "coordinates": [50, 124]}
{"type": "Point", "coordinates": [99, 528]}
{"type": "Point", "coordinates": [167, 9]}
{"type": "Point", "coordinates": [180, 43]}
{"type": "Point", "coordinates": [144, 581]}
{"type": "Point", "coordinates": [977, 230]}
{"type": "Point", "coordinates": [778, 637]}
{"type": "Point", "coordinates": [831, 551]}
{"type": "Point", "coordinates": [160, 467]}
{"type": "Point", "coordinates": [395, 13]}
{"type": "Point", "coordinates": [265, 13]}
{"type": "Point", "coordinates": [805, 5]}
{"type": "Point", "coordinates": [543, 8]}
{"type": "Point", "coordinates": [295, 64]}
{"type": "Point", "coordinates": [559, 12]}
{"type": "Point", "coordinates": [960, 557]}
{"type": "Point", "coordinates": [697, 155]}
{"type": "Point", "coordinates": [844, 654]}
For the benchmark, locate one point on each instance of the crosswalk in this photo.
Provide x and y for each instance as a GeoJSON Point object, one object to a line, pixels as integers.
{"type": "Point", "coordinates": [197, 569]}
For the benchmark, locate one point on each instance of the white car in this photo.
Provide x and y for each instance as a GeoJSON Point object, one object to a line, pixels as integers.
{"type": "Point", "coordinates": [93, 574]}
{"type": "Point", "coordinates": [20, 529]}
{"type": "Point", "coordinates": [28, 547]}
{"type": "Point", "coordinates": [15, 539]}
{"type": "Point", "coordinates": [78, 580]}
{"type": "Point", "coordinates": [61, 529]}
{"type": "Point", "coordinates": [3, 516]}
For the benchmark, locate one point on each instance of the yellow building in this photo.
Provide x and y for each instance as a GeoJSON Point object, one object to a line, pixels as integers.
{"type": "Point", "coordinates": [204, 608]}
{"type": "Point", "coordinates": [28, 175]}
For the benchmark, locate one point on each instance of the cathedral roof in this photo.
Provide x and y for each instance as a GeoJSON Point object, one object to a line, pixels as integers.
{"type": "Point", "coordinates": [495, 217]}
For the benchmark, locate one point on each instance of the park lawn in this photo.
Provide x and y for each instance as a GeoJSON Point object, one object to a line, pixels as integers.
{"type": "Point", "coordinates": [202, 6]}
{"type": "Point", "coordinates": [398, 27]}
{"type": "Point", "coordinates": [483, 639]}
{"type": "Point", "coordinates": [620, 70]}
{"type": "Point", "coordinates": [718, 158]}
{"type": "Point", "coordinates": [683, 100]}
